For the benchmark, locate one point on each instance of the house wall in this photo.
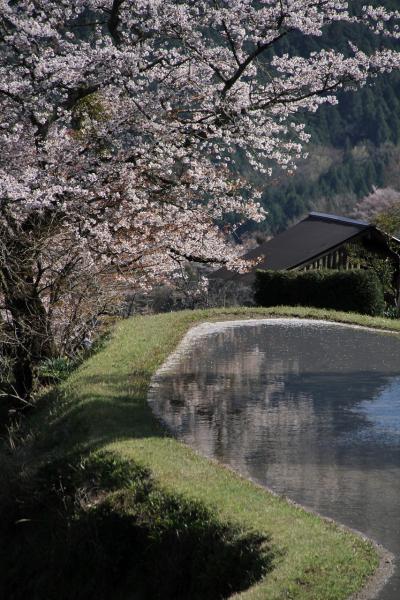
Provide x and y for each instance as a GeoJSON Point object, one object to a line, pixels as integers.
{"type": "Point", "coordinates": [338, 259]}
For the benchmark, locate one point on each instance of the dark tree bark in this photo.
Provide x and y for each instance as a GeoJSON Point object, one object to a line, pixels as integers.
{"type": "Point", "coordinates": [29, 322]}
{"type": "Point", "coordinates": [33, 338]}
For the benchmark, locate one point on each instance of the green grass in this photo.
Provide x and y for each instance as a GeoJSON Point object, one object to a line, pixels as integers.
{"type": "Point", "coordinates": [103, 406]}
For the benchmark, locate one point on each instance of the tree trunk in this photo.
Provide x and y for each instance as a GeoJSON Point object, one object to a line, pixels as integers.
{"type": "Point", "coordinates": [397, 282]}
{"type": "Point", "coordinates": [32, 335]}
{"type": "Point", "coordinates": [23, 370]}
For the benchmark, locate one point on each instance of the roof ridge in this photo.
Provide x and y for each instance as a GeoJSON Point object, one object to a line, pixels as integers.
{"type": "Point", "coordinates": [336, 218]}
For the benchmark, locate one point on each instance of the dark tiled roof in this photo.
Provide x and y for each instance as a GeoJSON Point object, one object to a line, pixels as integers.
{"type": "Point", "coordinates": [311, 237]}
{"type": "Point", "coordinates": [315, 235]}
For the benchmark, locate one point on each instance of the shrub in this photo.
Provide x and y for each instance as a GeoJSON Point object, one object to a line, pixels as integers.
{"type": "Point", "coordinates": [356, 291]}
{"type": "Point", "coordinates": [53, 370]}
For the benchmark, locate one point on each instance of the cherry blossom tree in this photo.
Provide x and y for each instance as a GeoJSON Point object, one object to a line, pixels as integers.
{"type": "Point", "coordinates": [120, 121]}
{"type": "Point", "coordinates": [380, 200]}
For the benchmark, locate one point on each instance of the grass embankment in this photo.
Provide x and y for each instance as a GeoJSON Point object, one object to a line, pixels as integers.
{"type": "Point", "coordinates": [103, 406]}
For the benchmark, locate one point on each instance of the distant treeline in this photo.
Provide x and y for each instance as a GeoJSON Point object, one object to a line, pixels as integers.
{"type": "Point", "coordinates": [368, 118]}
{"type": "Point", "coordinates": [349, 177]}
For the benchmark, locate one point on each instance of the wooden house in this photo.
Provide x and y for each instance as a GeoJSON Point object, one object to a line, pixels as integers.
{"type": "Point", "coordinates": [320, 241]}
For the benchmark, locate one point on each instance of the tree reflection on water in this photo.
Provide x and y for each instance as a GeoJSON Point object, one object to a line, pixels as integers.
{"type": "Point", "coordinates": [309, 410]}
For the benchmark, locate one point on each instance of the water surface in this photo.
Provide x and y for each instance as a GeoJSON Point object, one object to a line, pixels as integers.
{"type": "Point", "coordinates": [309, 409]}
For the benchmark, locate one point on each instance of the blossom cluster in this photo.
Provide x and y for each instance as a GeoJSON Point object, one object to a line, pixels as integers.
{"type": "Point", "coordinates": [121, 120]}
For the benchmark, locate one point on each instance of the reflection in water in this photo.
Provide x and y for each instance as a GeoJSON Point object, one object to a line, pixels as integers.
{"type": "Point", "coordinates": [309, 409]}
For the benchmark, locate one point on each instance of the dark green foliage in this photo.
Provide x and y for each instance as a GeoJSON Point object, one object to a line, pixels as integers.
{"type": "Point", "coordinates": [55, 369]}
{"type": "Point", "coordinates": [392, 312]}
{"type": "Point", "coordinates": [100, 527]}
{"type": "Point", "coordinates": [354, 291]}
{"type": "Point", "coordinates": [380, 264]}
{"type": "Point", "coordinates": [349, 177]}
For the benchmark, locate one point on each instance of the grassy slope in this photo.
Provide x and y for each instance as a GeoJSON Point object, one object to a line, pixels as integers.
{"type": "Point", "coordinates": [105, 407]}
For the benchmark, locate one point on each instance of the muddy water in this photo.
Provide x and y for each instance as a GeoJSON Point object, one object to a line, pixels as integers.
{"type": "Point", "coordinates": [309, 409]}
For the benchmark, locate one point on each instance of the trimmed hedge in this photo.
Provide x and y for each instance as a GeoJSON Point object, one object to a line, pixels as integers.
{"type": "Point", "coordinates": [353, 291]}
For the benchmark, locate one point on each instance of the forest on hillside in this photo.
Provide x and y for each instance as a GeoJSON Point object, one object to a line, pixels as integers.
{"type": "Point", "coordinates": [355, 145]}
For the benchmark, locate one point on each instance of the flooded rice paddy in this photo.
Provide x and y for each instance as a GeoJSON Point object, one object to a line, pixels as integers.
{"type": "Point", "coordinates": [309, 409]}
